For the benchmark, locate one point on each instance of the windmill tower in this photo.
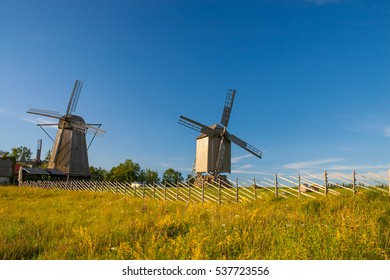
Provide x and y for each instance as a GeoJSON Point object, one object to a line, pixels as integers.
{"type": "Point", "coordinates": [213, 145]}
{"type": "Point", "coordinates": [70, 151]}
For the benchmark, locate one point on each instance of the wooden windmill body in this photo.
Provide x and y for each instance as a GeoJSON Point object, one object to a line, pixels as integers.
{"type": "Point", "coordinates": [70, 151]}
{"type": "Point", "coordinates": [207, 148]}
{"type": "Point", "coordinates": [213, 145]}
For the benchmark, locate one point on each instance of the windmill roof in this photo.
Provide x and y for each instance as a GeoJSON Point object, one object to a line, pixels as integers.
{"type": "Point", "coordinates": [215, 126]}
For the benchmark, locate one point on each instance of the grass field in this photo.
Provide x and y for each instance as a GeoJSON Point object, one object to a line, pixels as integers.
{"type": "Point", "coordinates": [56, 224]}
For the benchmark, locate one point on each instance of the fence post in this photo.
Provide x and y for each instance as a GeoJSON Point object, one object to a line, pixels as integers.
{"type": "Point", "coordinates": [326, 182]}
{"type": "Point", "coordinates": [154, 191]}
{"type": "Point", "coordinates": [143, 190]}
{"type": "Point", "coordinates": [165, 190]}
{"type": "Point", "coordinates": [202, 190]}
{"type": "Point", "coordinates": [237, 199]}
{"type": "Point", "coordinates": [254, 188]}
{"type": "Point", "coordinates": [189, 193]}
{"type": "Point", "coordinates": [354, 182]}
{"type": "Point", "coordinates": [276, 185]}
{"type": "Point", "coordinates": [299, 185]}
{"type": "Point", "coordinates": [177, 191]}
{"type": "Point", "coordinates": [219, 190]}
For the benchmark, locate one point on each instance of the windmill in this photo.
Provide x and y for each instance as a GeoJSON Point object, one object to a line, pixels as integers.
{"type": "Point", "coordinates": [213, 145]}
{"type": "Point", "coordinates": [69, 153]}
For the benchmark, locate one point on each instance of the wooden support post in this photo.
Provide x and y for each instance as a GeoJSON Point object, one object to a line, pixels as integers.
{"type": "Point", "coordinates": [219, 191]}
{"type": "Point", "coordinates": [177, 191]}
{"type": "Point", "coordinates": [254, 188]}
{"type": "Point", "coordinates": [326, 182]}
{"type": "Point", "coordinates": [165, 190]}
{"type": "Point", "coordinates": [189, 193]}
{"type": "Point", "coordinates": [354, 182]}
{"type": "Point", "coordinates": [202, 190]}
{"type": "Point", "coordinates": [135, 190]}
{"type": "Point", "coordinates": [237, 198]}
{"type": "Point", "coordinates": [143, 190]}
{"type": "Point", "coordinates": [125, 188]}
{"type": "Point", "coordinates": [276, 186]}
{"type": "Point", "coordinates": [299, 185]}
{"type": "Point", "coordinates": [154, 191]}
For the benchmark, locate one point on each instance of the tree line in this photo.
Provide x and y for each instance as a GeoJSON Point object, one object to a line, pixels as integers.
{"type": "Point", "coordinates": [130, 171]}
{"type": "Point", "coordinates": [17, 154]}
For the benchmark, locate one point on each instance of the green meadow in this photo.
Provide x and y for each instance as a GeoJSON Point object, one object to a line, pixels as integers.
{"type": "Point", "coordinates": [56, 224]}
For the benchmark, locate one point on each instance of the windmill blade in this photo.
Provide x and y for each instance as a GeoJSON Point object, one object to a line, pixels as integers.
{"type": "Point", "coordinates": [227, 109]}
{"type": "Point", "coordinates": [45, 113]}
{"type": "Point", "coordinates": [196, 126]}
{"type": "Point", "coordinates": [96, 131]}
{"type": "Point", "coordinates": [74, 97]}
{"type": "Point", "coordinates": [245, 145]}
{"type": "Point", "coordinates": [88, 128]}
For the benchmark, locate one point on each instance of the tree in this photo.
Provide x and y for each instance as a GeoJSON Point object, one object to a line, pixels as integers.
{"type": "Point", "coordinates": [125, 172]}
{"type": "Point", "coordinates": [21, 153]}
{"type": "Point", "coordinates": [48, 156]}
{"type": "Point", "coordinates": [149, 176]}
{"type": "Point", "coordinates": [4, 154]}
{"type": "Point", "coordinates": [45, 162]}
{"type": "Point", "coordinates": [98, 173]}
{"type": "Point", "coordinates": [172, 176]}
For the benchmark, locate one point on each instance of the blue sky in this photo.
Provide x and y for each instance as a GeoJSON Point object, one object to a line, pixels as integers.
{"type": "Point", "coordinates": [312, 79]}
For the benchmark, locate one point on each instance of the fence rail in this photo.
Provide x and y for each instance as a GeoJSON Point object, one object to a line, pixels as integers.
{"type": "Point", "coordinates": [282, 186]}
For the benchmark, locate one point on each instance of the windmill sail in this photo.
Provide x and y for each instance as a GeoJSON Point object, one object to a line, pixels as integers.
{"type": "Point", "coordinates": [74, 97]}
{"type": "Point", "coordinates": [45, 113]}
{"type": "Point", "coordinates": [196, 126]}
{"type": "Point", "coordinates": [227, 109]}
{"type": "Point", "coordinates": [256, 152]}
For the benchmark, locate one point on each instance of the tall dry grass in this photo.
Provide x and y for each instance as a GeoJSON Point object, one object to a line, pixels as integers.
{"type": "Point", "coordinates": [57, 224]}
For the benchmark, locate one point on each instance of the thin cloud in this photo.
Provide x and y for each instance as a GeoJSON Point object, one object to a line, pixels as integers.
{"type": "Point", "coordinates": [386, 131]}
{"type": "Point", "coordinates": [249, 172]}
{"type": "Point", "coordinates": [247, 166]}
{"type": "Point", "coordinates": [240, 158]}
{"type": "Point", "coordinates": [311, 163]}
{"type": "Point", "coordinates": [25, 119]}
{"type": "Point", "coordinates": [359, 167]}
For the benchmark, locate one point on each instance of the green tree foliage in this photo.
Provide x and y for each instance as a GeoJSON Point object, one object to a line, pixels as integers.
{"type": "Point", "coordinates": [98, 173]}
{"type": "Point", "coordinates": [149, 176]}
{"type": "Point", "coordinates": [18, 154]}
{"type": "Point", "coordinates": [125, 172]}
{"type": "Point", "coordinates": [48, 156]}
{"type": "Point", "coordinates": [172, 176]}
{"type": "Point", "coordinates": [45, 162]}
{"type": "Point", "coordinates": [4, 154]}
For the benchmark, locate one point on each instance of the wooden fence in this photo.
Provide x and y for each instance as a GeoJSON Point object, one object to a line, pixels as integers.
{"type": "Point", "coordinates": [282, 186]}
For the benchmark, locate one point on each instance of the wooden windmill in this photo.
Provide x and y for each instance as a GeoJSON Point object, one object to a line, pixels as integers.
{"type": "Point", "coordinates": [70, 151]}
{"type": "Point", "coordinates": [213, 145]}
